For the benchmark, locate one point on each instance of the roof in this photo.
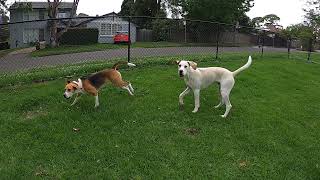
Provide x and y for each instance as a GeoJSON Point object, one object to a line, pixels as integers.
{"type": "Point", "coordinates": [83, 15]}
{"type": "Point", "coordinates": [40, 5]}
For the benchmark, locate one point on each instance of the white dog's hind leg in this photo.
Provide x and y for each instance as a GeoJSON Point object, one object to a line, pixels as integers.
{"type": "Point", "coordinates": [96, 101]}
{"type": "Point", "coordinates": [221, 100]}
{"type": "Point", "coordinates": [226, 99]}
{"type": "Point", "coordinates": [196, 100]}
{"type": "Point", "coordinates": [220, 104]}
{"type": "Point", "coordinates": [181, 96]}
{"type": "Point", "coordinates": [226, 88]}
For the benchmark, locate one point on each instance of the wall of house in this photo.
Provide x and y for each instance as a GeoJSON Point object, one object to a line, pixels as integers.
{"type": "Point", "coordinates": [112, 20]}
{"type": "Point", "coordinates": [22, 34]}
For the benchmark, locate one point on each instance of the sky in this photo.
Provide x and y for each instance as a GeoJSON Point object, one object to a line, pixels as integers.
{"type": "Point", "coordinates": [290, 11]}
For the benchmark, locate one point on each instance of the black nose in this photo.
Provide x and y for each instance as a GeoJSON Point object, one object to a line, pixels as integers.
{"type": "Point", "coordinates": [65, 96]}
{"type": "Point", "coordinates": [181, 73]}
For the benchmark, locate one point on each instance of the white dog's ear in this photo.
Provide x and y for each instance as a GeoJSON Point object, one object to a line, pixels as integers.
{"type": "Point", "coordinates": [193, 65]}
{"type": "Point", "coordinates": [178, 62]}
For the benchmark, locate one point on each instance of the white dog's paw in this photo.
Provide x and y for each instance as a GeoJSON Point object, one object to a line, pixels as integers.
{"type": "Point", "coordinates": [223, 116]}
{"type": "Point", "coordinates": [96, 106]}
{"type": "Point", "coordinates": [217, 106]}
{"type": "Point", "coordinates": [195, 111]}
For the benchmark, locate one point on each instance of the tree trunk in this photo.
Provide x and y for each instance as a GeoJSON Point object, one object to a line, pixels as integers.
{"type": "Point", "coordinates": [53, 24]}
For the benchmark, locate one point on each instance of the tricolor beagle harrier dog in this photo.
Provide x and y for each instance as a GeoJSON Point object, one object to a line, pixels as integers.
{"type": "Point", "coordinates": [200, 78]}
{"type": "Point", "coordinates": [93, 83]}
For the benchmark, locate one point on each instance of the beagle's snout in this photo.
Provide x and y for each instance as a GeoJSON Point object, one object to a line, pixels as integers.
{"type": "Point", "coordinates": [64, 95]}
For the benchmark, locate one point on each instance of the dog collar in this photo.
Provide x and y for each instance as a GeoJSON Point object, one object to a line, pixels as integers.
{"type": "Point", "coordinates": [79, 83]}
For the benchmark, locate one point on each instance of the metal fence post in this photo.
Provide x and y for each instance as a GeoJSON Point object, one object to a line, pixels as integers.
{"type": "Point", "coordinates": [218, 35]}
{"type": "Point", "coordinates": [262, 47]}
{"type": "Point", "coordinates": [129, 40]}
{"type": "Point", "coordinates": [289, 47]}
{"type": "Point", "coordinates": [310, 50]}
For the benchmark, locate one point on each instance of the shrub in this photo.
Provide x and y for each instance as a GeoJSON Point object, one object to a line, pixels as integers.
{"type": "Point", "coordinates": [80, 36]}
{"type": "Point", "coordinates": [4, 45]}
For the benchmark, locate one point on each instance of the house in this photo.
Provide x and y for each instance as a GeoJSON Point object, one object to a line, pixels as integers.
{"type": "Point", "coordinates": [24, 34]}
{"type": "Point", "coordinates": [109, 25]}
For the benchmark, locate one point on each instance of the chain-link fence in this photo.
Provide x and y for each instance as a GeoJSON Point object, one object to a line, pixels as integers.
{"type": "Point", "coordinates": [38, 43]}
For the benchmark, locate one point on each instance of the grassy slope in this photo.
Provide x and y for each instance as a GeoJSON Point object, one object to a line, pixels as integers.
{"type": "Point", "coordinates": [272, 131]}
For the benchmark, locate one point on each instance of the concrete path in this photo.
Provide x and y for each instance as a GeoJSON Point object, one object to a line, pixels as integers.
{"type": "Point", "coordinates": [23, 61]}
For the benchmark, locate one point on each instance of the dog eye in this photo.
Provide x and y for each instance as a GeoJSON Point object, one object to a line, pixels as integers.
{"type": "Point", "coordinates": [179, 65]}
{"type": "Point", "coordinates": [185, 66]}
{"type": "Point", "coordinates": [69, 90]}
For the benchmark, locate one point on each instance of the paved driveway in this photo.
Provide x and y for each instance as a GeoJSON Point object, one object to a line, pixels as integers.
{"type": "Point", "coordinates": [15, 62]}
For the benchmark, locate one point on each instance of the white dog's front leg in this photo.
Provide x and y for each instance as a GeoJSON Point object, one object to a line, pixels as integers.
{"type": "Point", "coordinates": [96, 101]}
{"type": "Point", "coordinates": [196, 100]}
{"type": "Point", "coordinates": [181, 96]}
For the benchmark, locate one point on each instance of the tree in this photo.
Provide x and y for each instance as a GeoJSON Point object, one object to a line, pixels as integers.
{"type": "Point", "coordinates": [310, 30]}
{"type": "Point", "coordinates": [52, 13]}
{"type": "Point", "coordinates": [149, 8]}
{"type": "Point", "coordinates": [271, 19]}
{"type": "Point", "coordinates": [258, 21]}
{"type": "Point", "coordinates": [4, 31]}
{"type": "Point", "coordinates": [127, 8]}
{"type": "Point", "coordinates": [227, 11]}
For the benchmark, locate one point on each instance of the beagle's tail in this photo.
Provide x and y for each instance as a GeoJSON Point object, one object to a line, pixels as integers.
{"type": "Point", "coordinates": [246, 66]}
{"type": "Point", "coordinates": [115, 66]}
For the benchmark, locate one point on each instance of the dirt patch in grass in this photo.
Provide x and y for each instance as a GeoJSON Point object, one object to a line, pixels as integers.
{"type": "Point", "coordinates": [30, 115]}
{"type": "Point", "coordinates": [192, 131]}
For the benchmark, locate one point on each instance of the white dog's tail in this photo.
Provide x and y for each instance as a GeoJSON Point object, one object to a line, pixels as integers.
{"type": "Point", "coordinates": [246, 66]}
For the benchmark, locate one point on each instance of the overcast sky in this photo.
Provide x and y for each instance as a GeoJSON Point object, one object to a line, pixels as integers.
{"type": "Point", "coordinates": [290, 11]}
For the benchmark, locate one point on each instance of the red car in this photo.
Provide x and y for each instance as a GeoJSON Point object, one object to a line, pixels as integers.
{"type": "Point", "coordinates": [121, 37]}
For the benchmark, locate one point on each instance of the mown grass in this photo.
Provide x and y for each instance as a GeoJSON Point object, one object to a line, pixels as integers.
{"type": "Point", "coordinates": [272, 131]}
{"type": "Point", "coordinates": [68, 49]}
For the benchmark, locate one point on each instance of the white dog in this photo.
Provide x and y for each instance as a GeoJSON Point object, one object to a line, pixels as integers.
{"type": "Point", "coordinates": [200, 78]}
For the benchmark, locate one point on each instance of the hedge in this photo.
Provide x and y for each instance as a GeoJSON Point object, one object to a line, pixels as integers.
{"type": "Point", "coordinates": [4, 45]}
{"type": "Point", "coordinates": [80, 36]}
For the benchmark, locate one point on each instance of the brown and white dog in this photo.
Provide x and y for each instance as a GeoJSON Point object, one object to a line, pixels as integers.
{"type": "Point", "coordinates": [94, 82]}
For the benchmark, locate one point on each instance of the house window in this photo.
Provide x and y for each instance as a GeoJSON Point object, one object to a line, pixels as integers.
{"type": "Point", "coordinates": [30, 35]}
{"type": "Point", "coordinates": [41, 15]}
{"type": "Point", "coordinates": [62, 15]}
{"type": "Point", "coordinates": [30, 15]}
{"type": "Point", "coordinates": [109, 29]}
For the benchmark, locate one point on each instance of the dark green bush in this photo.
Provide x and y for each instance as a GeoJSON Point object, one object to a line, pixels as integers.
{"type": "Point", "coordinates": [80, 36]}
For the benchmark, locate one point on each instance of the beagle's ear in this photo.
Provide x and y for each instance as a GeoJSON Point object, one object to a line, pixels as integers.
{"type": "Point", "coordinates": [193, 65]}
{"type": "Point", "coordinates": [178, 62]}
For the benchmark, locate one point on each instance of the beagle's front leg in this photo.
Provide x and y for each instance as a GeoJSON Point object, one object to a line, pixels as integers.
{"type": "Point", "coordinates": [196, 93]}
{"type": "Point", "coordinates": [76, 99]}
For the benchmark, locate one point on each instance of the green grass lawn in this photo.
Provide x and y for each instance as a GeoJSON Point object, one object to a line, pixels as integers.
{"type": "Point", "coordinates": [68, 49]}
{"type": "Point", "coordinates": [272, 131]}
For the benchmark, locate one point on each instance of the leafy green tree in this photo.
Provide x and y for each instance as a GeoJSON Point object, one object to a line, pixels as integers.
{"type": "Point", "coordinates": [265, 20]}
{"type": "Point", "coordinates": [127, 8]}
{"type": "Point", "coordinates": [271, 19]}
{"type": "Point", "coordinates": [227, 11]}
{"type": "Point", "coordinates": [4, 31]}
